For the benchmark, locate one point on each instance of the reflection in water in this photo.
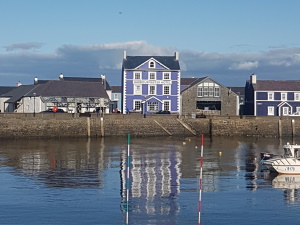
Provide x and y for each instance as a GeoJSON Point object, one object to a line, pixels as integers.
{"type": "Point", "coordinates": [89, 176]}
{"type": "Point", "coordinates": [290, 184]}
{"type": "Point", "coordinates": [155, 181]}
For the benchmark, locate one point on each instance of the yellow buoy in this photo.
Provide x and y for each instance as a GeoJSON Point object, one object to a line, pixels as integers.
{"type": "Point", "coordinates": [220, 153]}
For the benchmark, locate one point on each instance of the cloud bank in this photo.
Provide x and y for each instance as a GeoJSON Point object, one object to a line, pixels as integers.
{"type": "Point", "coordinates": [92, 60]}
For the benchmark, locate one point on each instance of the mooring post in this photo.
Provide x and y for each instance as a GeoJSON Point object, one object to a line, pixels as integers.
{"type": "Point", "coordinates": [200, 181]}
{"type": "Point", "coordinates": [279, 128]}
{"type": "Point", "coordinates": [128, 180]}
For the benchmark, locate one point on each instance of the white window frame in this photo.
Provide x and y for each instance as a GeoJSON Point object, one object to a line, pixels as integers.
{"type": "Point", "coordinates": [116, 96]}
{"type": "Point", "coordinates": [152, 106]}
{"type": "Point", "coordinates": [270, 96]}
{"type": "Point", "coordinates": [166, 105]}
{"type": "Point", "coordinates": [168, 91]}
{"type": "Point", "coordinates": [285, 111]}
{"type": "Point", "coordinates": [150, 74]}
{"type": "Point", "coordinates": [137, 75]}
{"type": "Point", "coordinates": [200, 91]}
{"type": "Point", "coordinates": [270, 110]}
{"type": "Point", "coordinates": [137, 89]}
{"type": "Point", "coordinates": [136, 103]}
{"type": "Point", "coordinates": [298, 109]}
{"type": "Point", "coordinates": [166, 75]}
{"type": "Point", "coordinates": [296, 96]}
{"type": "Point", "coordinates": [217, 91]}
{"type": "Point", "coordinates": [283, 96]}
{"type": "Point", "coordinates": [151, 62]}
{"type": "Point", "coordinates": [151, 91]}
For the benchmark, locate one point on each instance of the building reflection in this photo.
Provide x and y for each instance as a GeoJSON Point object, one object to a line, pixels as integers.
{"type": "Point", "coordinates": [154, 182]}
{"type": "Point", "coordinates": [63, 166]}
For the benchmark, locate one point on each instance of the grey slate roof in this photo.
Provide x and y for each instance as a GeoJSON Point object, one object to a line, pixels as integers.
{"type": "Point", "coordinates": [187, 81]}
{"type": "Point", "coordinates": [87, 79]}
{"type": "Point", "coordinates": [238, 90]}
{"type": "Point", "coordinates": [5, 89]}
{"type": "Point", "coordinates": [277, 85]}
{"type": "Point", "coordinates": [132, 62]}
{"type": "Point", "coordinates": [116, 89]}
{"type": "Point", "coordinates": [17, 93]}
{"type": "Point", "coordinates": [62, 88]}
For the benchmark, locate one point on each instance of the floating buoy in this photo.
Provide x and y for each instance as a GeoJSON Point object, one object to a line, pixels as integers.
{"type": "Point", "coordinates": [183, 143]}
{"type": "Point", "coordinates": [220, 153]}
{"type": "Point", "coordinates": [196, 147]}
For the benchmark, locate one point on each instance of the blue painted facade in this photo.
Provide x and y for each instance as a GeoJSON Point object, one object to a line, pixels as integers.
{"type": "Point", "coordinates": [150, 84]}
{"type": "Point", "coordinates": [271, 98]}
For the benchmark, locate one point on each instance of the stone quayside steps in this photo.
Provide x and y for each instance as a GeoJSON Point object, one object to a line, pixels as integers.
{"type": "Point", "coordinates": [82, 125]}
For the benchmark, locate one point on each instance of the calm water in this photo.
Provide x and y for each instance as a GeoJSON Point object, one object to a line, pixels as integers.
{"type": "Point", "coordinates": [81, 181]}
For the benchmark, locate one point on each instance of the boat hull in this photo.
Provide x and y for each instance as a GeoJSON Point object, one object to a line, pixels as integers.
{"type": "Point", "coordinates": [284, 165]}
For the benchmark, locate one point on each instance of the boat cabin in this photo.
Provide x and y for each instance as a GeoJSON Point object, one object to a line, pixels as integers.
{"type": "Point", "coordinates": [291, 151]}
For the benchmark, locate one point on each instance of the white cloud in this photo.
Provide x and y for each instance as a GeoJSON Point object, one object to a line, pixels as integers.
{"type": "Point", "coordinates": [244, 66]}
{"type": "Point", "coordinates": [93, 60]}
{"type": "Point", "coordinates": [23, 46]}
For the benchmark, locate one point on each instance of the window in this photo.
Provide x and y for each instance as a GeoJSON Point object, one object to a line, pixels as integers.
{"type": "Point", "coordinates": [270, 110]}
{"type": "Point", "coordinates": [152, 106]}
{"type": "Point", "coordinates": [200, 91]}
{"type": "Point", "coordinates": [205, 92]}
{"type": "Point", "coordinates": [211, 91]}
{"type": "Point", "coordinates": [297, 96]}
{"type": "Point", "coordinates": [137, 75]}
{"type": "Point", "coordinates": [137, 89]}
{"type": "Point", "coordinates": [283, 97]}
{"type": "Point", "coordinates": [270, 96]}
{"type": "Point", "coordinates": [217, 91]}
{"type": "Point", "coordinates": [208, 89]}
{"type": "Point", "coordinates": [137, 105]}
{"type": "Point", "coordinates": [285, 111]}
{"type": "Point", "coordinates": [116, 96]}
{"type": "Point", "coordinates": [298, 109]}
{"type": "Point", "coordinates": [166, 89]}
{"type": "Point", "coordinates": [152, 76]}
{"type": "Point", "coordinates": [166, 106]}
{"type": "Point", "coordinates": [151, 64]}
{"type": "Point", "coordinates": [152, 90]}
{"type": "Point", "coordinates": [166, 76]}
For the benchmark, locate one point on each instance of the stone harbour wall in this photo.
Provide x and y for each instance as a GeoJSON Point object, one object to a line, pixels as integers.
{"type": "Point", "coordinates": [15, 125]}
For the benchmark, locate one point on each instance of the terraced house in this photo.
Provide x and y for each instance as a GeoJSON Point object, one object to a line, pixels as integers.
{"type": "Point", "coordinates": [150, 84]}
{"type": "Point", "coordinates": [272, 97]}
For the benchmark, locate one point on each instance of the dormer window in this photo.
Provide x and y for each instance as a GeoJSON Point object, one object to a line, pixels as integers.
{"type": "Point", "coordinates": [151, 64]}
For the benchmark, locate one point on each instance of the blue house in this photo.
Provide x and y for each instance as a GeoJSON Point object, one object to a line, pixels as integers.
{"type": "Point", "coordinates": [150, 84]}
{"type": "Point", "coordinates": [271, 97]}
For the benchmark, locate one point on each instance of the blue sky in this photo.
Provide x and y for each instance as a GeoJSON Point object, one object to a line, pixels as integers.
{"type": "Point", "coordinates": [226, 40]}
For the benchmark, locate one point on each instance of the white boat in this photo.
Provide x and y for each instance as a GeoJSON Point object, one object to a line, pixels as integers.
{"type": "Point", "coordinates": [289, 163]}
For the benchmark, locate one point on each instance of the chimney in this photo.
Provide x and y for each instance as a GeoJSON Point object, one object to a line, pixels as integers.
{"type": "Point", "coordinates": [103, 81]}
{"type": "Point", "coordinates": [253, 78]}
{"type": "Point", "coordinates": [177, 56]}
{"type": "Point", "coordinates": [61, 76]}
{"type": "Point", "coordinates": [124, 55]}
{"type": "Point", "coordinates": [36, 80]}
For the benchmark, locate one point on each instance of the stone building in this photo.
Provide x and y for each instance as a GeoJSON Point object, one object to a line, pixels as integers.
{"type": "Point", "coordinates": [206, 96]}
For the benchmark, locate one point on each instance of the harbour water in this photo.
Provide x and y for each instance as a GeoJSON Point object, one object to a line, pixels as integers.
{"type": "Point", "coordinates": [83, 181]}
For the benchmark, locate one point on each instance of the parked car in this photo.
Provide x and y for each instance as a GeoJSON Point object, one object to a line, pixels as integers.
{"type": "Point", "coordinates": [51, 110]}
{"type": "Point", "coordinates": [163, 112]}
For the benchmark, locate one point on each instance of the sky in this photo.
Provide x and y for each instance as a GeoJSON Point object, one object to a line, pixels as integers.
{"type": "Point", "coordinates": [225, 40]}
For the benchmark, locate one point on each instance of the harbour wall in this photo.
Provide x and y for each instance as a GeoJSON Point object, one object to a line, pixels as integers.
{"type": "Point", "coordinates": [42, 125]}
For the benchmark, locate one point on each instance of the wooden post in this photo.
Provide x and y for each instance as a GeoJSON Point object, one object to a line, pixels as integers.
{"type": "Point", "coordinates": [279, 128]}
{"type": "Point", "coordinates": [88, 127]}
